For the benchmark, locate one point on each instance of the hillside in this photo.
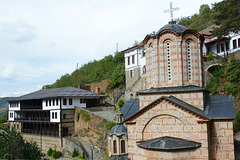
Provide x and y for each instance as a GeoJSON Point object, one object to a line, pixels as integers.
{"type": "Point", "coordinates": [3, 105]}
{"type": "Point", "coordinates": [112, 67]}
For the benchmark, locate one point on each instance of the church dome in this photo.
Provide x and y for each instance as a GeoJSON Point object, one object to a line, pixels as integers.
{"type": "Point", "coordinates": [118, 130]}
{"type": "Point", "coordinates": [172, 25]}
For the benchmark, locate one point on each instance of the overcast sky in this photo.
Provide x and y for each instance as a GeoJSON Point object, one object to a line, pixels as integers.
{"type": "Point", "coordinates": [40, 40]}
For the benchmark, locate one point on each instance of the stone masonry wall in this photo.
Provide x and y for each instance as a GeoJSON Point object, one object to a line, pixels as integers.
{"type": "Point", "coordinates": [45, 141]}
{"type": "Point", "coordinates": [169, 121]}
{"type": "Point", "coordinates": [102, 85]}
{"type": "Point", "coordinates": [222, 143]}
{"type": "Point", "coordinates": [194, 98]}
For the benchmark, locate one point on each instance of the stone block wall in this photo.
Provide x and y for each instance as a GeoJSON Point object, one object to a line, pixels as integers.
{"type": "Point", "coordinates": [222, 142]}
{"type": "Point", "coordinates": [16, 125]}
{"type": "Point", "coordinates": [165, 119]}
{"type": "Point", "coordinates": [44, 142]}
{"type": "Point", "coordinates": [131, 80]}
{"type": "Point", "coordinates": [194, 98]}
{"type": "Point", "coordinates": [102, 85]}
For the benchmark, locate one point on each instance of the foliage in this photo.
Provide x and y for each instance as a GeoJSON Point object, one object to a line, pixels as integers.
{"type": "Point", "coordinates": [236, 122]}
{"type": "Point", "coordinates": [50, 151]}
{"type": "Point", "coordinates": [78, 115]}
{"type": "Point", "coordinates": [75, 153]}
{"type": "Point", "coordinates": [82, 157]}
{"type": "Point", "coordinates": [198, 21]}
{"type": "Point", "coordinates": [13, 146]}
{"type": "Point", "coordinates": [227, 78]}
{"type": "Point", "coordinates": [110, 125]}
{"type": "Point", "coordinates": [85, 116]}
{"type": "Point", "coordinates": [56, 154]}
{"type": "Point", "coordinates": [226, 15]}
{"type": "Point", "coordinates": [210, 57]}
{"type": "Point", "coordinates": [3, 119]}
{"type": "Point", "coordinates": [120, 103]}
{"type": "Point", "coordinates": [94, 71]}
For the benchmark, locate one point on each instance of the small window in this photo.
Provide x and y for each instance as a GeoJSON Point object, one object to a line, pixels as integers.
{"type": "Point", "coordinates": [123, 146]}
{"type": "Point", "coordinates": [46, 102]}
{"type": "Point", "coordinates": [115, 146]}
{"type": "Point", "coordinates": [56, 102]}
{"type": "Point", "coordinates": [222, 47]}
{"type": "Point", "coordinates": [144, 70]}
{"type": "Point", "coordinates": [227, 46]}
{"type": "Point", "coordinates": [133, 59]}
{"type": "Point", "coordinates": [64, 101]}
{"type": "Point", "coordinates": [234, 43]}
{"type": "Point", "coordinates": [70, 101]}
{"type": "Point", "coordinates": [131, 73]}
{"type": "Point", "coordinates": [218, 48]}
{"type": "Point", "coordinates": [52, 115]}
{"type": "Point", "coordinates": [53, 102]}
{"type": "Point", "coordinates": [17, 126]}
{"type": "Point", "coordinates": [55, 115]}
{"type": "Point", "coordinates": [64, 116]}
{"type": "Point", "coordinates": [238, 42]}
{"type": "Point", "coordinates": [50, 102]}
{"type": "Point", "coordinates": [143, 53]}
{"type": "Point", "coordinates": [128, 60]}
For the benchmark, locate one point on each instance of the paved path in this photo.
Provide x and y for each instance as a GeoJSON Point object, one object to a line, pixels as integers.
{"type": "Point", "coordinates": [108, 115]}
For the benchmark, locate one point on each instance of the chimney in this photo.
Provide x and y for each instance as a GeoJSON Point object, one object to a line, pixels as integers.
{"type": "Point", "coordinates": [97, 89]}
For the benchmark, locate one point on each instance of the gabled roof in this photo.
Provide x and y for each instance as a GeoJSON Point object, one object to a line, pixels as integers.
{"type": "Point", "coordinates": [175, 101]}
{"type": "Point", "coordinates": [168, 144]}
{"type": "Point", "coordinates": [220, 107]}
{"type": "Point", "coordinates": [189, 88]}
{"type": "Point", "coordinates": [130, 107]}
{"type": "Point", "coordinates": [57, 92]}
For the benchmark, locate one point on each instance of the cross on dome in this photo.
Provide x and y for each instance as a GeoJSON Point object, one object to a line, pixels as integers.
{"type": "Point", "coordinates": [171, 10]}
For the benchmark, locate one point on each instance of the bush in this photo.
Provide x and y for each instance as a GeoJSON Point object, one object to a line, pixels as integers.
{"type": "Point", "coordinates": [78, 115]}
{"type": "Point", "coordinates": [120, 103]}
{"type": "Point", "coordinates": [85, 116]}
{"type": "Point", "coordinates": [210, 57]}
{"type": "Point", "coordinates": [110, 125]}
{"type": "Point", "coordinates": [236, 123]}
{"type": "Point", "coordinates": [49, 152]}
{"type": "Point", "coordinates": [75, 153]}
{"type": "Point", "coordinates": [56, 154]}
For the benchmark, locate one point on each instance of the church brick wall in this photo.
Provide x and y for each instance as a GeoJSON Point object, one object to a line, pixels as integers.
{"type": "Point", "coordinates": [169, 121]}
{"type": "Point", "coordinates": [222, 143]}
{"type": "Point", "coordinates": [194, 98]}
{"type": "Point", "coordinates": [156, 61]}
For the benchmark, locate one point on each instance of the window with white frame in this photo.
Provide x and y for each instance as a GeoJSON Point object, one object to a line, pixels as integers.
{"type": "Point", "coordinates": [46, 102]}
{"type": "Point", "coordinates": [54, 115]}
{"type": "Point", "coordinates": [64, 101]}
{"type": "Point", "coordinates": [169, 60]}
{"type": "Point", "coordinates": [189, 61]}
{"type": "Point", "coordinates": [144, 69]}
{"type": "Point", "coordinates": [13, 104]}
{"type": "Point", "coordinates": [56, 102]}
{"type": "Point", "coordinates": [11, 115]}
{"type": "Point", "coordinates": [128, 60]}
{"type": "Point", "coordinates": [133, 59]}
{"type": "Point", "coordinates": [70, 101]}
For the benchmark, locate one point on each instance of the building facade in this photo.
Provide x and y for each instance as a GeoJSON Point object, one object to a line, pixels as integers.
{"type": "Point", "coordinates": [135, 69]}
{"type": "Point", "coordinates": [47, 115]}
{"type": "Point", "coordinates": [174, 117]}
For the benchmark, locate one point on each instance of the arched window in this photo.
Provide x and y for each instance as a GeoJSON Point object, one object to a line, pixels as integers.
{"type": "Point", "coordinates": [168, 60]}
{"type": "Point", "coordinates": [114, 146]}
{"type": "Point", "coordinates": [189, 61]}
{"type": "Point", "coordinates": [123, 146]}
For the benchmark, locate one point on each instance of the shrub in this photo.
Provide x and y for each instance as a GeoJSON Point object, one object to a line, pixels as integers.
{"type": "Point", "coordinates": [210, 57]}
{"type": "Point", "coordinates": [85, 116]}
{"type": "Point", "coordinates": [120, 103]}
{"type": "Point", "coordinates": [49, 152]}
{"type": "Point", "coordinates": [75, 153]}
{"type": "Point", "coordinates": [78, 115]}
{"type": "Point", "coordinates": [110, 125]}
{"type": "Point", "coordinates": [56, 154]}
{"type": "Point", "coordinates": [236, 123]}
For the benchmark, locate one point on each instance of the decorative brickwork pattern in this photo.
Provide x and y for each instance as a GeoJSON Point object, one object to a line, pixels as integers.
{"type": "Point", "coordinates": [165, 119]}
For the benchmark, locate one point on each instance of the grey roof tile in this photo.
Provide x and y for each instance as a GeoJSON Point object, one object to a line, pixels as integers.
{"type": "Point", "coordinates": [189, 88]}
{"type": "Point", "coordinates": [130, 107]}
{"type": "Point", "coordinates": [220, 107]}
{"type": "Point", "coordinates": [119, 157]}
{"type": "Point", "coordinates": [168, 143]}
{"type": "Point", "coordinates": [118, 130]}
{"type": "Point", "coordinates": [172, 25]}
{"type": "Point", "coordinates": [57, 92]}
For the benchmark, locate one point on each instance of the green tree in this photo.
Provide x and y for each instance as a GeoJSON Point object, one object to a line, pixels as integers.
{"type": "Point", "coordinates": [13, 146]}
{"type": "Point", "coordinates": [210, 57]}
{"type": "Point", "coordinates": [226, 14]}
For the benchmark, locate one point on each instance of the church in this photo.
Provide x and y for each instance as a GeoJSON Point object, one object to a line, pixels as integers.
{"type": "Point", "coordinates": [174, 117]}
